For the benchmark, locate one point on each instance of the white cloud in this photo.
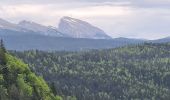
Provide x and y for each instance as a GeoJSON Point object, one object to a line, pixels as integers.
{"type": "Point", "coordinates": [101, 11]}
{"type": "Point", "coordinates": [147, 23]}
{"type": "Point", "coordinates": [52, 11]}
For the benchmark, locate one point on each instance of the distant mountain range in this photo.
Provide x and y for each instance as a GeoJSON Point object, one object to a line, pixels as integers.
{"type": "Point", "coordinates": [26, 27]}
{"type": "Point", "coordinates": [163, 40]}
{"type": "Point", "coordinates": [48, 43]}
{"type": "Point", "coordinates": [43, 30]}
{"type": "Point", "coordinates": [72, 34]}
{"type": "Point", "coordinates": [68, 27]}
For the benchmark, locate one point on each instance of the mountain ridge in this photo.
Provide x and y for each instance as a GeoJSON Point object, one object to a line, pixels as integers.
{"type": "Point", "coordinates": [76, 28]}
{"type": "Point", "coordinates": [44, 30]}
{"type": "Point", "coordinates": [85, 31]}
{"type": "Point", "coordinates": [28, 35]}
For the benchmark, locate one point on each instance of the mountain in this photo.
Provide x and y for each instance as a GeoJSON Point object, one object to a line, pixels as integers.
{"type": "Point", "coordinates": [41, 29]}
{"type": "Point", "coordinates": [26, 27]}
{"type": "Point", "coordinates": [7, 25]}
{"type": "Point", "coordinates": [80, 29]}
{"type": "Point", "coordinates": [48, 43]}
{"type": "Point", "coordinates": [163, 40]}
{"type": "Point", "coordinates": [68, 27]}
{"type": "Point", "coordinates": [10, 29]}
{"type": "Point", "coordinates": [29, 35]}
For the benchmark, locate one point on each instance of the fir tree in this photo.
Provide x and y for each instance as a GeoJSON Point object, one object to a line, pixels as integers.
{"type": "Point", "coordinates": [3, 59]}
{"type": "Point", "coordinates": [53, 88]}
{"type": "Point", "coordinates": [2, 46]}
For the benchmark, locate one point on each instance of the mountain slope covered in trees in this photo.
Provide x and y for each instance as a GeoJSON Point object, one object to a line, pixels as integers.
{"type": "Point", "coordinates": [126, 73]}
{"type": "Point", "coordinates": [47, 43]}
{"type": "Point", "coordinates": [17, 82]}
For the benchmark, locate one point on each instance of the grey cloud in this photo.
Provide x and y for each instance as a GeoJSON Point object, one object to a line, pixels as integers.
{"type": "Point", "coordinates": [134, 3]}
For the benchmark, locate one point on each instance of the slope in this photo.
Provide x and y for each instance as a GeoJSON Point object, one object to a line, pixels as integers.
{"type": "Point", "coordinates": [47, 43]}
{"type": "Point", "coordinates": [127, 73]}
{"type": "Point", "coordinates": [17, 82]}
{"type": "Point", "coordinates": [76, 28]}
{"type": "Point", "coordinates": [41, 29]}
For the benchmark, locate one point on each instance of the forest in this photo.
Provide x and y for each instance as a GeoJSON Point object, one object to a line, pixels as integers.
{"type": "Point", "coordinates": [18, 82]}
{"type": "Point", "coordinates": [138, 72]}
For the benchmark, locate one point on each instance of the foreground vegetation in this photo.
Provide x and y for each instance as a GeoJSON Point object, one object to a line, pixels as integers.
{"type": "Point", "coordinates": [132, 72]}
{"type": "Point", "coordinates": [17, 82]}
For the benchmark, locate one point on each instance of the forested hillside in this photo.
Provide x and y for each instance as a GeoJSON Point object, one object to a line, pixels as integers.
{"type": "Point", "coordinates": [48, 43]}
{"type": "Point", "coordinates": [140, 72]}
{"type": "Point", "coordinates": [17, 82]}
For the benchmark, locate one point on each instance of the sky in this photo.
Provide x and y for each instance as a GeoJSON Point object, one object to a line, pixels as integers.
{"type": "Point", "coordinates": [144, 19]}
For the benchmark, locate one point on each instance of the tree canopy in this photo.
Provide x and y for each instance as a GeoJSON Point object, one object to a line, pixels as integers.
{"type": "Point", "coordinates": [18, 82]}
{"type": "Point", "coordinates": [130, 72]}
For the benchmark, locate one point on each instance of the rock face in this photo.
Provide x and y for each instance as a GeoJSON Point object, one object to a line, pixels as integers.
{"type": "Point", "coordinates": [80, 29]}
{"type": "Point", "coordinates": [23, 27]}
{"type": "Point", "coordinates": [44, 30]}
{"type": "Point", "coordinates": [7, 25]}
{"type": "Point", "coordinates": [68, 27]}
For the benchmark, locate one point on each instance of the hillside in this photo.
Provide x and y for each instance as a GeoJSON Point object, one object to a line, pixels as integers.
{"type": "Point", "coordinates": [139, 72]}
{"type": "Point", "coordinates": [47, 43]}
{"type": "Point", "coordinates": [17, 82]}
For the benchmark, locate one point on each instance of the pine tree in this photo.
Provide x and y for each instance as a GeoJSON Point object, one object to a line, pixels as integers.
{"type": "Point", "coordinates": [3, 59]}
{"type": "Point", "coordinates": [53, 88]}
{"type": "Point", "coordinates": [2, 46]}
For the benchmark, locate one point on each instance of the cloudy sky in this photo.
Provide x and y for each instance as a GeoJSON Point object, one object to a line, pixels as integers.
{"type": "Point", "coordinates": [149, 19]}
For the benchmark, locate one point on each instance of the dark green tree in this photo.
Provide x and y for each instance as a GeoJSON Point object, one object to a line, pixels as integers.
{"type": "Point", "coordinates": [3, 59]}
{"type": "Point", "coordinates": [53, 88]}
{"type": "Point", "coordinates": [133, 72]}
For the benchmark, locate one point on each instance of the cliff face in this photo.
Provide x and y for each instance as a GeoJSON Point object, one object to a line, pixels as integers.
{"type": "Point", "coordinates": [80, 29]}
